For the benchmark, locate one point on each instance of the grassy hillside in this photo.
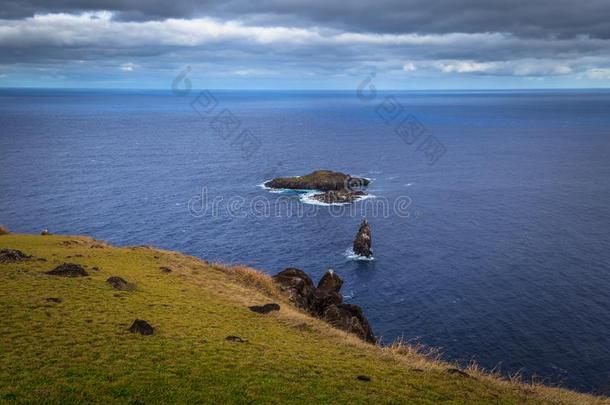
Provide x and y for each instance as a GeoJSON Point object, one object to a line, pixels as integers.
{"type": "Point", "coordinates": [77, 347]}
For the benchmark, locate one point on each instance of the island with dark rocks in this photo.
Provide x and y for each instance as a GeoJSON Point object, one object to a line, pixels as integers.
{"type": "Point", "coordinates": [334, 187]}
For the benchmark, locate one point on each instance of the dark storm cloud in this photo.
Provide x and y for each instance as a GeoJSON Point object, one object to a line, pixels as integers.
{"type": "Point", "coordinates": [560, 18]}
{"type": "Point", "coordinates": [407, 39]}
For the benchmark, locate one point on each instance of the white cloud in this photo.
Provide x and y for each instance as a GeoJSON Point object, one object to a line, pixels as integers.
{"type": "Point", "coordinates": [61, 29]}
{"type": "Point", "coordinates": [251, 72]}
{"type": "Point", "coordinates": [128, 67]}
{"type": "Point", "coordinates": [467, 67]}
{"type": "Point", "coordinates": [409, 67]}
{"type": "Point", "coordinates": [598, 74]}
{"type": "Point", "coordinates": [521, 67]}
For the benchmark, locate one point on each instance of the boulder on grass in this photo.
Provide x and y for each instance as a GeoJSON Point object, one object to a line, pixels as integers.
{"type": "Point", "coordinates": [68, 270]}
{"type": "Point", "coordinates": [265, 309]}
{"type": "Point", "coordinates": [12, 255]}
{"type": "Point", "coordinates": [120, 283]}
{"type": "Point", "coordinates": [142, 327]}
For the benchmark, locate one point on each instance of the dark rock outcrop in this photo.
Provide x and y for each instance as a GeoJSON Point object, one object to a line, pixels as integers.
{"type": "Point", "coordinates": [12, 255]}
{"type": "Point", "coordinates": [165, 270]}
{"type": "Point", "coordinates": [330, 281]}
{"type": "Point", "coordinates": [120, 283]}
{"type": "Point", "coordinates": [297, 285]}
{"type": "Point", "coordinates": [265, 309]}
{"type": "Point", "coordinates": [323, 180]}
{"type": "Point", "coordinates": [4, 230]}
{"type": "Point", "coordinates": [68, 270]}
{"type": "Point", "coordinates": [350, 318]}
{"type": "Point", "coordinates": [362, 243]}
{"type": "Point", "coordinates": [45, 232]}
{"type": "Point", "coordinates": [324, 301]}
{"type": "Point", "coordinates": [142, 327]}
{"type": "Point", "coordinates": [339, 196]}
{"type": "Point", "coordinates": [235, 339]}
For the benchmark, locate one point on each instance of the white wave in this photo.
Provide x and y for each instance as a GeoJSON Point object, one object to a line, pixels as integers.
{"type": "Point", "coordinates": [409, 184]}
{"type": "Point", "coordinates": [307, 198]}
{"type": "Point", "coordinates": [350, 255]}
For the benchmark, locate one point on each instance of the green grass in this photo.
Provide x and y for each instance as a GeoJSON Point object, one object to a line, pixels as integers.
{"type": "Point", "coordinates": [80, 350]}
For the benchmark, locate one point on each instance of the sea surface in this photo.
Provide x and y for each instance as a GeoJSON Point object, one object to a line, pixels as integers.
{"type": "Point", "coordinates": [490, 216]}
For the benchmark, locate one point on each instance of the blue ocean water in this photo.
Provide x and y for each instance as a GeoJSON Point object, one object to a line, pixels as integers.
{"type": "Point", "coordinates": [503, 252]}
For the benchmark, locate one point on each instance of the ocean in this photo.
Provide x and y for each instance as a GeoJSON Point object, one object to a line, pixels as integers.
{"type": "Point", "coordinates": [489, 210]}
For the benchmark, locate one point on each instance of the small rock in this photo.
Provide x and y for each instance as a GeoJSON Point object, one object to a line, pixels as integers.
{"type": "Point", "coordinates": [95, 268]}
{"type": "Point", "coordinates": [235, 339]}
{"type": "Point", "coordinates": [54, 299]}
{"type": "Point", "coordinates": [45, 232]}
{"type": "Point", "coordinates": [330, 281]}
{"type": "Point", "coordinates": [165, 270]}
{"type": "Point", "coordinates": [458, 372]}
{"type": "Point", "coordinates": [120, 283]}
{"type": "Point", "coordinates": [12, 255]}
{"type": "Point", "coordinates": [364, 378]}
{"type": "Point", "coordinates": [264, 309]}
{"type": "Point", "coordinates": [362, 243]}
{"type": "Point", "coordinates": [142, 327]}
{"type": "Point", "coordinates": [68, 270]}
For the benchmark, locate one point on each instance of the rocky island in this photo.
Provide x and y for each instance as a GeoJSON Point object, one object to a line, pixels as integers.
{"type": "Point", "coordinates": [334, 187]}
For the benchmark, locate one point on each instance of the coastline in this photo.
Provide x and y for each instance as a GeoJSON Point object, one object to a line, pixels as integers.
{"type": "Point", "coordinates": [200, 301]}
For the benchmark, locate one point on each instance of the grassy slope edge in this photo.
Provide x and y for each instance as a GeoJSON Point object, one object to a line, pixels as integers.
{"type": "Point", "coordinates": [79, 349]}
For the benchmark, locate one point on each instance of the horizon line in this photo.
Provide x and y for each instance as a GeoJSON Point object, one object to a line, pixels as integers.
{"type": "Point", "coordinates": [301, 89]}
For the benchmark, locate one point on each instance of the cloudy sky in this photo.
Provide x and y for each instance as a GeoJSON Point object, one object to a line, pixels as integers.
{"type": "Point", "coordinates": [306, 44]}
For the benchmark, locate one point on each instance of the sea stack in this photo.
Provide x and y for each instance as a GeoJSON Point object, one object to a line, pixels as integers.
{"type": "Point", "coordinates": [362, 243]}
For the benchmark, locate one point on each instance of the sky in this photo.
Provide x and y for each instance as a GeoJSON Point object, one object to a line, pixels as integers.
{"type": "Point", "coordinates": [306, 44]}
